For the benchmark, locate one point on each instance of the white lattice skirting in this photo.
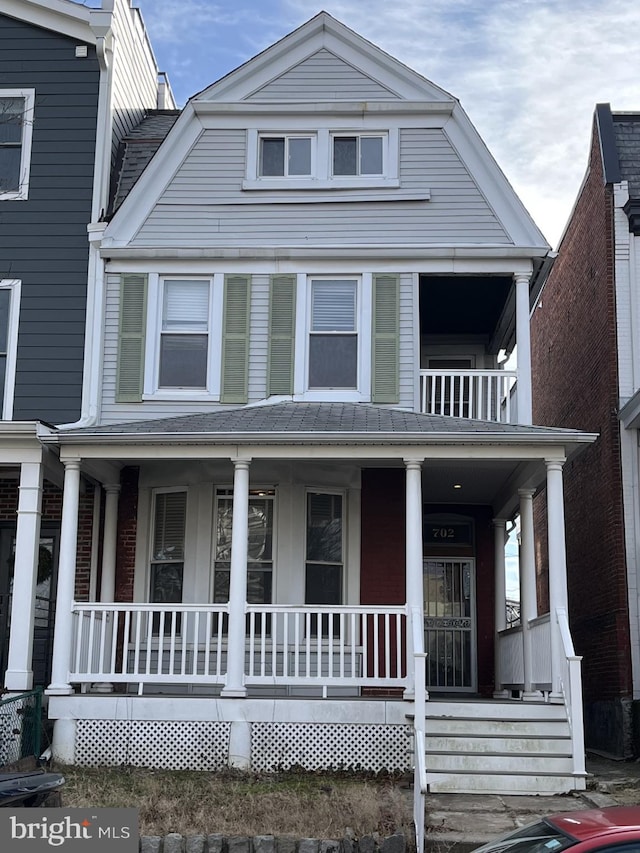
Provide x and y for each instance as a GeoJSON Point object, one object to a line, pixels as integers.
{"type": "Point", "coordinates": [314, 746]}
{"type": "Point", "coordinates": [186, 745]}
{"type": "Point", "coordinates": [158, 744]}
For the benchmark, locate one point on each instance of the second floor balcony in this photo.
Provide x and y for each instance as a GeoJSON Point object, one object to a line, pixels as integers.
{"type": "Point", "coordinates": [485, 395]}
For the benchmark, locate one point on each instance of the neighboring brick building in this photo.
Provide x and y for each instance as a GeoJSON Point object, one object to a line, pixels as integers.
{"type": "Point", "coordinates": [586, 375]}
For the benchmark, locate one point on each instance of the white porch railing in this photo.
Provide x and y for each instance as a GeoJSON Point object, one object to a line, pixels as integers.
{"type": "Point", "coordinates": [571, 686]}
{"type": "Point", "coordinates": [285, 645]}
{"type": "Point", "coordinates": [326, 646]}
{"type": "Point", "coordinates": [511, 654]}
{"type": "Point", "coordinates": [148, 643]}
{"type": "Point", "coordinates": [484, 395]}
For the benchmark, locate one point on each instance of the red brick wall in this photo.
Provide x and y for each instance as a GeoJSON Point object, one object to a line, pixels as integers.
{"type": "Point", "coordinates": [127, 528]}
{"type": "Point", "coordinates": [382, 576]}
{"type": "Point", "coordinates": [575, 385]}
{"type": "Point", "coordinates": [52, 512]}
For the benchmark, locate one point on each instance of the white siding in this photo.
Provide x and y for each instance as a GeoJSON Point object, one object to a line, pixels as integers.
{"type": "Point", "coordinates": [205, 206]}
{"type": "Point", "coordinates": [135, 73]}
{"type": "Point", "coordinates": [323, 77]}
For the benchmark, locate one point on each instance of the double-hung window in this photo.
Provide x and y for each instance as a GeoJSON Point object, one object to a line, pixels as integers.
{"type": "Point", "coordinates": [16, 123]}
{"type": "Point", "coordinates": [358, 155]}
{"type": "Point", "coordinates": [184, 338]}
{"type": "Point", "coordinates": [285, 156]}
{"type": "Point", "coordinates": [333, 334]}
{"type": "Point", "coordinates": [324, 564]}
{"type": "Point", "coordinates": [167, 553]}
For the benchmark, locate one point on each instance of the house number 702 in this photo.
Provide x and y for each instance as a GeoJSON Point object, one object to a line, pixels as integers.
{"type": "Point", "coordinates": [443, 532]}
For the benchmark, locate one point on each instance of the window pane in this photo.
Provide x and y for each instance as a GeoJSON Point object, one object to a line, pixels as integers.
{"type": "Point", "coordinates": [5, 300]}
{"type": "Point", "coordinates": [260, 529]}
{"type": "Point", "coordinates": [333, 306]}
{"type": "Point", "coordinates": [345, 155]}
{"type": "Point", "coordinates": [11, 111]}
{"type": "Point", "coordinates": [272, 157]}
{"type": "Point", "coordinates": [371, 155]}
{"type": "Point", "coordinates": [323, 584]}
{"type": "Point", "coordinates": [166, 583]}
{"type": "Point", "coordinates": [221, 585]}
{"type": "Point", "coordinates": [183, 361]}
{"type": "Point", "coordinates": [169, 526]}
{"type": "Point", "coordinates": [299, 156]}
{"type": "Point", "coordinates": [186, 305]}
{"type": "Point", "coordinates": [259, 587]}
{"type": "Point", "coordinates": [324, 528]}
{"type": "Point", "coordinates": [9, 169]}
{"type": "Point", "coordinates": [333, 361]}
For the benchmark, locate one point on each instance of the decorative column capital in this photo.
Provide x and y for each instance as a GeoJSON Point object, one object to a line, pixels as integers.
{"type": "Point", "coordinates": [526, 493]}
{"type": "Point", "coordinates": [112, 488]}
{"type": "Point", "coordinates": [71, 465]}
{"type": "Point", "coordinates": [555, 464]}
{"type": "Point", "coordinates": [499, 522]}
{"type": "Point", "coordinates": [242, 463]}
{"type": "Point", "coordinates": [413, 464]}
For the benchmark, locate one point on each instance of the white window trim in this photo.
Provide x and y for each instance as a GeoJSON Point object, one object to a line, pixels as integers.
{"type": "Point", "coordinates": [29, 96]}
{"type": "Point", "coordinates": [321, 177]}
{"type": "Point", "coordinates": [301, 134]}
{"type": "Point", "coordinates": [362, 393]}
{"type": "Point", "coordinates": [154, 331]}
{"type": "Point", "coordinates": [14, 285]}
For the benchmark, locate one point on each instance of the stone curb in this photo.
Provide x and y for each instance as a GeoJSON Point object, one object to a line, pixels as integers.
{"type": "Point", "coordinates": [176, 843]}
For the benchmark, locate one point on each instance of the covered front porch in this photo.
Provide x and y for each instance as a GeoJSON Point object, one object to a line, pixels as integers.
{"type": "Point", "coordinates": [255, 560]}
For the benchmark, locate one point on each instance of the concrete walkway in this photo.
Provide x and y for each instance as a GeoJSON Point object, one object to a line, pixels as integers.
{"type": "Point", "coordinates": [461, 822]}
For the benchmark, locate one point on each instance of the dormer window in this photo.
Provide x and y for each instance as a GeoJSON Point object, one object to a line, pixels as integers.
{"type": "Point", "coordinates": [285, 156]}
{"type": "Point", "coordinates": [358, 155]}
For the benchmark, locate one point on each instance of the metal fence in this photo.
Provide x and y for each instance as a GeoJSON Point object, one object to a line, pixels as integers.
{"type": "Point", "coordinates": [20, 726]}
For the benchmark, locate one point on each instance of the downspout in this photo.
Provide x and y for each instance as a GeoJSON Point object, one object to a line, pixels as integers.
{"type": "Point", "coordinates": [91, 370]}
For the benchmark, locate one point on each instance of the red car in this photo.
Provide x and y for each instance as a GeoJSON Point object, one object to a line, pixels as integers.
{"type": "Point", "coordinates": [611, 830]}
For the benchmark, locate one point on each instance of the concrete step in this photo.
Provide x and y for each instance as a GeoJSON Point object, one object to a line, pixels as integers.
{"type": "Point", "coordinates": [503, 783]}
{"type": "Point", "coordinates": [498, 763]}
{"type": "Point", "coordinates": [492, 710]}
{"type": "Point", "coordinates": [501, 728]}
{"type": "Point", "coordinates": [518, 744]}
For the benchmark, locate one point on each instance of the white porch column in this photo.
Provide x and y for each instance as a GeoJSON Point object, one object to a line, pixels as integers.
{"type": "Point", "coordinates": [108, 579]}
{"type": "Point", "coordinates": [19, 675]}
{"type": "Point", "coordinates": [528, 597]}
{"type": "Point", "coordinates": [238, 582]}
{"type": "Point", "coordinates": [558, 597]}
{"type": "Point", "coordinates": [500, 599]}
{"type": "Point", "coordinates": [413, 545]}
{"type": "Point", "coordinates": [523, 342]}
{"type": "Point", "coordinates": [63, 631]}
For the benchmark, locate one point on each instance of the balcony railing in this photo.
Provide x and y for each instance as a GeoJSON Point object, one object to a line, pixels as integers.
{"type": "Point", "coordinates": [485, 395]}
{"type": "Point", "coordinates": [186, 644]}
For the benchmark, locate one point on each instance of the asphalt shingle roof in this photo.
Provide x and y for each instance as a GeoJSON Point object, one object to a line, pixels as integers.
{"type": "Point", "coordinates": [318, 418]}
{"type": "Point", "coordinates": [136, 150]}
{"type": "Point", "coordinates": [626, 128]}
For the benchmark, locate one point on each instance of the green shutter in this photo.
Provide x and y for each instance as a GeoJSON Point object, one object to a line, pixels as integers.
{"type": "Point", "coordinates": [235, 339]}
{"type": "Point", "coordinates": [386, 334]}
{"type": "Point", "coordinates": [133, 314]}
{"type": "Point", "coordinates": [282, 323]}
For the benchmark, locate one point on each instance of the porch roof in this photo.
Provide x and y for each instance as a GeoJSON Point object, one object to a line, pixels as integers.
{"type": "Point", "coordinates": [291, 422]}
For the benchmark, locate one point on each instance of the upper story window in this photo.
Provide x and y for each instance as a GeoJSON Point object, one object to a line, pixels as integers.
{"type": "Point", "coordinates": [322, 159]}
{"type": "Point", "coordinates": [184, 338]}
{"type": "Point", "coordinates": [333, 335]}
{"type": "Point", "coordinates": [285, 156]}
{"type": "Point", "coordinates": [16, 124]}
{"type": "Point", "coordinates": [358, 155]}
{"type": "Point", "coordinates": [9, 306]}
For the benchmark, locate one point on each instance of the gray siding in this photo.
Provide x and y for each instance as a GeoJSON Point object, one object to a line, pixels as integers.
{"type": "Point", "coordinates": [113, 412]}
{"type": "Point", "coordinates": [323, 77]}
{"type": "Point", "coordinates": [43, 240]}
{"type": "Point", "coordinates": [204, 204]}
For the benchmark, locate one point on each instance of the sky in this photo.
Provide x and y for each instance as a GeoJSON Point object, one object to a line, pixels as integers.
{"type": "Point", "coordinates": [528, 72]}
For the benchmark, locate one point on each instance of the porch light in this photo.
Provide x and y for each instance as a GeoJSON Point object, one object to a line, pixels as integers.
{"type": "Point", "coordinates": [457, 485]}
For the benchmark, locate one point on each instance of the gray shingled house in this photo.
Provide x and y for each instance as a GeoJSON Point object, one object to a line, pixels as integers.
{"type": "Point", "coordinates": [309, 445]}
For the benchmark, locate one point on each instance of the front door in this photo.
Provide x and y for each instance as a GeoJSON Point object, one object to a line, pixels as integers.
{"type": "Point", "coordinates": [449, 624]}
